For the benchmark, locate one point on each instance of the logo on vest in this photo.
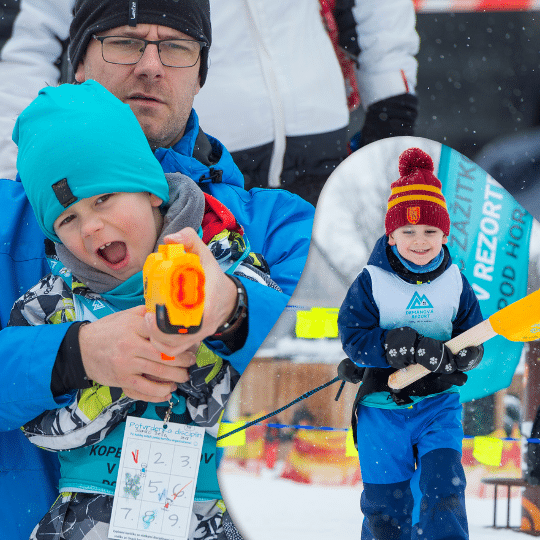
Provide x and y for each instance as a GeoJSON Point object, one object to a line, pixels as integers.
{"type": "Point", "coordinates": [97, 305]}
{"type": "Point", "coordinates": [419, 307]}
{"type": "Point", "coordinates": [413, 214]}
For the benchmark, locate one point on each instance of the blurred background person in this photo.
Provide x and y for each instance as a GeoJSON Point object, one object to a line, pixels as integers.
{"type": "Point", "coordinates": [277, 97]}
{"type": "Point", "coordinates": [33, 35]}
{"type": "Point", "coordinates": [514, 161]}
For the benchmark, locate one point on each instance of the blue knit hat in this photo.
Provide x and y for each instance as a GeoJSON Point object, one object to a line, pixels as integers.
{"type": "Point", "coordinates": [79, 141]}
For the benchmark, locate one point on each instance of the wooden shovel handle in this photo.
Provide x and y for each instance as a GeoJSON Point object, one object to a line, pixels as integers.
{"type": "Point", "coordinates": [472, 337]}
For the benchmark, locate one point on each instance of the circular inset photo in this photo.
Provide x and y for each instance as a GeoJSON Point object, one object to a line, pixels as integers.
{"type": "Point", "coordinates": [379, 401]}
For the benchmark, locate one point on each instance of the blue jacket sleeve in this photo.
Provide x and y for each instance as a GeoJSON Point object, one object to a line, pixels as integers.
{"type": "Point", "coordinates": [278, 225]}
{"type": "Point", "coordinates": [264, 308]}
{"type": "Point", "coordinates": [28, 355]}
{"type": "Point", "coordinates": [469, 313]}
{"type": "Point", "coordinates": [358, 325]}
{"type": "Point", "coordinates": [282, 234]}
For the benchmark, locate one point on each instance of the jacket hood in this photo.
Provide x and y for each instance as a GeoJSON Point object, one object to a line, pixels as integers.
{"type": "Point", "coordinates": [379, 257]}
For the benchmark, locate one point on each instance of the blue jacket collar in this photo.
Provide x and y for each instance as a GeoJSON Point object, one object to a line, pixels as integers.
{"type": "Point", "coordinates": [180, 158]}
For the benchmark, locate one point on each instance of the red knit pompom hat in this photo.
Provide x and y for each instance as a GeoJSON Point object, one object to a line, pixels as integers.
{"type": "Point", "coordinates": [416, 198]}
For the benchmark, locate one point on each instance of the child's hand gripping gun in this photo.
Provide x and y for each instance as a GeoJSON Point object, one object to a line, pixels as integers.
{"type": "Point", "coordinates": [174, 289]}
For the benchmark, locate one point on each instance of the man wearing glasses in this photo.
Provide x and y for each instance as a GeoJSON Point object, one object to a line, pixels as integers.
{"type": "Point", "coordinates": [153, 55]}
{"type": "Point", "coordinates": [135, 64]}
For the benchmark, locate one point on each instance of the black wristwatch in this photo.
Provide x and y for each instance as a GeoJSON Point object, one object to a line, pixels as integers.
{"type": "Point", "coordinates": [238, 314]}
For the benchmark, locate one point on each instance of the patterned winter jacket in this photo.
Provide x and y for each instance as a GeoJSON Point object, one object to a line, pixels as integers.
{"type": "Point", "coordinates": [278, 225]}
{"type": "Point", "coordinates": [82, 429]}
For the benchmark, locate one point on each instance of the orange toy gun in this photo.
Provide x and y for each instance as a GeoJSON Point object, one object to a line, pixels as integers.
{"type": "Point", "coordinates": [174, 289]}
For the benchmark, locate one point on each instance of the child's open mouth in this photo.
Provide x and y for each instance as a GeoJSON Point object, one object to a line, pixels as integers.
{"type": "Point", "coordinates": [113, 253]}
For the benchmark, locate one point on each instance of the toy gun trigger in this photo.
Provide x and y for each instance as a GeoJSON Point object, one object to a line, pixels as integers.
{"type": "Point", "coordinates": [165, 325]}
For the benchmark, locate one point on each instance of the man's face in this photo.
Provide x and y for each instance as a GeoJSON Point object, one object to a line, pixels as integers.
{"type": "Point", "coordinates": [161, 97]}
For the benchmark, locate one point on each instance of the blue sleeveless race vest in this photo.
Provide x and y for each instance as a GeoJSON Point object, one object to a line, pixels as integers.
{"type": "Point", "coordinates": [429, 308]}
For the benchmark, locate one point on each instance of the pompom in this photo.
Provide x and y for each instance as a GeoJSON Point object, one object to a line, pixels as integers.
{"type": "Point", "coordinates": [413, 159]}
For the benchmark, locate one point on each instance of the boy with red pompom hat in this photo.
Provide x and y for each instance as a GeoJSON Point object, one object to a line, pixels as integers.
{"type": "Point", "coordinates": [401, 309]}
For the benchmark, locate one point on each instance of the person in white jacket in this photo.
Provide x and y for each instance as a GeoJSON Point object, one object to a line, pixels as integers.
{"type": "Point", "coordinates": [276, 96]}
{"type": "Point", "coordinates": [29, 60]}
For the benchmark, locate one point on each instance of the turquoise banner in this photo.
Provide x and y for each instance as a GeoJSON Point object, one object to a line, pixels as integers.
{"type": "Point", "coordinates": [489, 241]}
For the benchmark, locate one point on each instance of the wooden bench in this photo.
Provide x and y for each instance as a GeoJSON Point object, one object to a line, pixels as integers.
{"type": "Point", "coordinates": [509, 483]}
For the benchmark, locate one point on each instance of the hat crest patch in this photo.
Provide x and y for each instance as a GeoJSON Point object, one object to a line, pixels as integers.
{"type": "Point", "coordinates": [413, 214]}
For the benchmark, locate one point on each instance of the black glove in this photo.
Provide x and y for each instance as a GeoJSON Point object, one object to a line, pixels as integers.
{"type": "Point", "coordinates": [400, 346]}
{"type": "Point", "coordinates": [346, 23]}
{"type": "Point", "coordinates": [434, 355]}
{"type": "Point", "coordinates": [391, 117]}
{"type": "Point", "coordinates": [348, 371]}
{"type": "Point", "coordinates": [468, 358]}
{"type": "Point", "coordinates": [458, 378]}
{"type": "Point", "coordinates": [404, 346]}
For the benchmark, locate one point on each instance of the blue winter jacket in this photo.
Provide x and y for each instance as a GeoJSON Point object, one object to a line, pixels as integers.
{"type": "Point", "coordinates": [278, 225]}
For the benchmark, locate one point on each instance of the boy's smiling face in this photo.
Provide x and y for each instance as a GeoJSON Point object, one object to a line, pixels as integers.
{"type": "Point", "coordinates": [113, 232]}
{"type": "Point", "coordinates": [418, 244]}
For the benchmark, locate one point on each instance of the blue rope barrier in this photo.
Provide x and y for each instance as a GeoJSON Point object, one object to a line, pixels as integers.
{"type": "Point", "coordinates": [274, 413]}
{"type": "Point", "coordinates": [303, 426]}
{"type": "Point", "coordinates": [258, 422]}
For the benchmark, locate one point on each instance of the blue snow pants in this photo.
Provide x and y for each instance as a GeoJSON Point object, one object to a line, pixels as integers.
{"type": "Point", "coordinates": [410, 459]}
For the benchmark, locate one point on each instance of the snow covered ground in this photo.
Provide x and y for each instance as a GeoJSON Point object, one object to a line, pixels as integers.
{"type": "Point", "coordinates": [269, 508]}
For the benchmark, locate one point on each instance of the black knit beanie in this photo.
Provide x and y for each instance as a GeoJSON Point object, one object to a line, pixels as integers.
{"type": "Point", "coordinates": [191, 17]}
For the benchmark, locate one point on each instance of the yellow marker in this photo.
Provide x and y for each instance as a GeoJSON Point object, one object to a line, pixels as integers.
{"type": "Point", "coordinates": [306, 326]}
{"type": "Point", "coordinates": [317, 323]}
{"type": "Point", "coordinates": [174, 289]}
{"type": "Point", "coordinates": [238, 439]}
{"type": "Point", "coordinates": [350, 449]}
{"type": "Point", "coordinates": [488, 450]}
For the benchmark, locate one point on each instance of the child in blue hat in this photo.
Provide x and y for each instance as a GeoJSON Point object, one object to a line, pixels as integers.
{"type": "Point", "coordinates": [101, 197]}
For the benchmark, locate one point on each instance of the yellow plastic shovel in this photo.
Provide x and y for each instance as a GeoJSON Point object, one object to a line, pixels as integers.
{"type": "Point", "coordinates": [519, 321]}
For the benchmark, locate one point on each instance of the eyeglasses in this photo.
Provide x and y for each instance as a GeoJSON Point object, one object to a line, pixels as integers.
{"type": "Point", "coordinates": [172, 52]}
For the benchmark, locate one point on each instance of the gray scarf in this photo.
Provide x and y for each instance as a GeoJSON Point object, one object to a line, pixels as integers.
{"type": "Point", "coordinates": [184, 209]}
